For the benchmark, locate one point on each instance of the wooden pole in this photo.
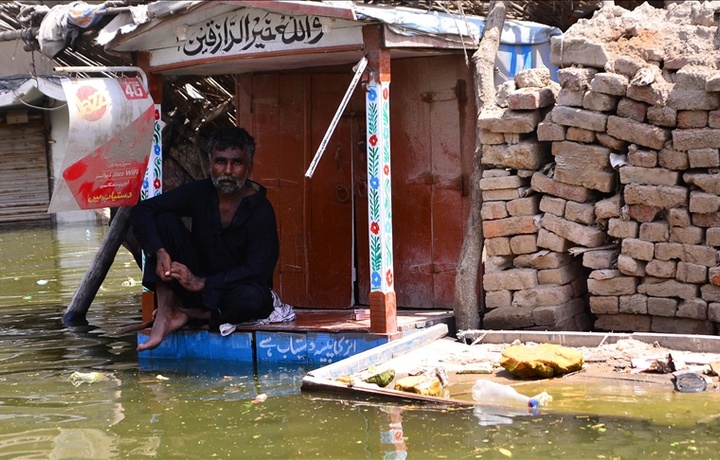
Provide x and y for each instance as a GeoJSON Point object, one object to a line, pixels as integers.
{"type": "Point", "coordinates": [467, 291]}
{"type": "Point", "coordinates": [76, 312]}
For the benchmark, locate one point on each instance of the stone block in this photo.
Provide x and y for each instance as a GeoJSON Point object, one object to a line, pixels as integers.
{"type": "Point", "coordinates": [610, 142]}
{"type": "Point", "coordinates": [714, 312]}
{"type": "Point", "coordinates": [688, 99]}
{"type": "Point", "coordinates": [599, 102]}
{"type": "Point", "coordinates": [662, 115]}
{"type": "Point", "coordinates": [530, 98]}
{"type": "Point", "coordinates": [543, 184]}
{"type": "Point", "coordinates": [524, 155]}
{"type": "Point", "coordinates": [490, 173]}
{"type": "Point", "coordinates": [628, 108]}
{"type": "Point", "coordinates": [648, 176]}
{"type": "Point", "coordinates": [660, 306]}
{"type": "Point", "coordinates": [630, 267]}
{"type": "Point", "coordinates": [527, 206]}
{"type": "Point", "coordinates": [668, 288]}
{"type": "Point", "coordinates": [661, 268]}
{"type": "Point", "coordinates": [553, 205]}
{"type": "Point", "coordinates": [656, 195]}
{"type": "Point", "coordinates": [513, 279]}
{"type": "Point", "coordinates": [654, 94]}
{"type": "Point", "coordinates": [638, 249]}
{"type": "Point", "coordinates": [570, 97]}
{"type": "Point", "coordinates": [604, 305]}
{"type": "Point", "coordinates": [487, 137]}
{"type": "Point", "coordinates": [566, 51]}
{"type": "Point", "coordinates": [693, 77]}
{"type": "Point", "coordinates": [642, 157]}
{"type": "Point", "coordinates": [498, 299]}
{"type": "Point", "coordinates": [654, 231]}
{"type": "Point", "coordinates": [690, 253]}
{"type": "Point", "coordinates": [623, 323]}
{"type": "Point", "coordinates": [498, 247]}
{"type": "Point", "coordinates": [678, 217]}
{"type": "Point", "coordinates": [675, 160]}
{"type": "Point", "coordinates": [635, 304]}
{"type": "Point", "coordinates": [548, 240]}
{"type": "Point", "coordinates": [691, 273]}
{"type": "Point", "coordinates": [542, 260]}
{"type": "Point", "coordinates": [682, 326]}
{"type": "Point", "coordinates": [509, 226]}
{"type": "Point", "coordinates": [706, 220]}
{"type": "Point", "coordinates": [692, 119]}
{"type": "Point", "coordinates": [714, 276]}
{"type": "Point", "coordinates": [549, 131]}
{"type": "Point", "coordinates": [575, 78]}
{"type": "Point", "coordinates": [542, 295]}
{"type": "Point", "coordinates": [643, 212]}
{"type": "Point", "coordinates": [687, 139]}
{"type": "Point", "coordinates": [712, 237]}
{"type": "Point", "coordinates": [579, 118]}
{"type": "Point", "coordinates": [580, 135]}
{"type": "Point", "coordinates": [506, 194]}
{"type": "Point", "coordinates": [561, 275]}
{"type": "Point", "coordinates": [687, 235]}
{"type": "Point", "coordinates": [709, 183]}
{"type": "Point", "coordinates": [502, 120]}
{"type": "Point", "coordinates": [553, 315]}
{"type": "Point", "coordinates": [704, 158]}
{"type": "Point", "coordinates": [493, 210]}
{"type": "Point", "coordinates": [508, 318]}
{"type": "Point", "coordinates": [710, 292]}
{"type": "Point", "coordinates": [601, 259]}
{"type": "Point", "coordinates": [495, 183]}
{"type": "Point", "coordinates": [498, 263]}
{"type": "Point", "coordinates": [587, 236]}
{"type": "Point", "coordinates": [692, 308]}
{"type": "Point", "coordinates": [620, 285]}
{"type": "Point", "coordinates": [582, 213]}
{"type": "Point", "coordinates": [703, 203]}
{"type": "Point", "coordinates": [607, 208]}
{"type": "Point", "coordinates": [523, 244]}
{"type": "Point", "coordinates": [714, 119]}
{"type": "Point", "coordinates": [609, 83]}
{"type": "Point", "coordinates": [647, 135]}
{"type": "Point", "coordinates": [619, 228]}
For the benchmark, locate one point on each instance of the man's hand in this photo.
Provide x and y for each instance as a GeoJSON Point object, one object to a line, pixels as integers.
{"type": "Point", "coordinates": [186, 278]}
{"type": "Point", "coordinates": [162, 270]}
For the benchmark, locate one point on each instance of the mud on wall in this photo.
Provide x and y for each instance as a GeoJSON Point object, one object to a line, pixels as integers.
{"type": "Point", "coordinates": [601, 192]}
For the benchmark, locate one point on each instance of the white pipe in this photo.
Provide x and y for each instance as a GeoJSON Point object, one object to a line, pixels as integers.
{"type": "Point", "coordinates": [359, 69]}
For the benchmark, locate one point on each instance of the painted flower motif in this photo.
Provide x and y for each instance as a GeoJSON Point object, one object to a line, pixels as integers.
{"type": "Point", "coordinates": [386, 93]}
{"type": "Point", "coordinates": [389, 277]}
{"type": "Point", "coordinates": [373, 140]}
{"type": "Point", "coordinates": [156, 183]}
{"type": "Point", "coordinates": [374, 182]}
{"type": "Point", "coordinates": [386, 169]}
{"type": "Point", "coordinates": [157, 114]}
{"type": "Point", "coordinates": [372, 95]}
{"type": "Point", "coordinates": [375, 228]}
{"type": "Point", "coordinates": [156, 149]}
{"type": "Point", "coordinates": [146, 184]}
{"type": "Point", "coordinates": [375, 279]}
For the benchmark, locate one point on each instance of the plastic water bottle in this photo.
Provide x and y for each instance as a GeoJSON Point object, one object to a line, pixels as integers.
{"type": "Point", "coordinates": [489, 392]}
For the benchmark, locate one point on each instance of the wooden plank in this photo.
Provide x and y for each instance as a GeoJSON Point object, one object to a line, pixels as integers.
{"type": "Point", "coordinates": [380, 354]}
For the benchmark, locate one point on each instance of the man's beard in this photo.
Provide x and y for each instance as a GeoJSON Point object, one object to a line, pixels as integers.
{"type": "Point", "coordinates": [227, 185]}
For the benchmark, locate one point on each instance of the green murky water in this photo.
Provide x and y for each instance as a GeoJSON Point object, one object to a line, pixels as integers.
{"type": "Point", "coordinates": [206, 410]}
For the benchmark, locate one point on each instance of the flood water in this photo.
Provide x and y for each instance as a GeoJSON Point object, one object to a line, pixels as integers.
{"type": "Point", "coordinates": [208, 410]}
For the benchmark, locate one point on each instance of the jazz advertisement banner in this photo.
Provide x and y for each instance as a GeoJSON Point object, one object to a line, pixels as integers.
{"type": "Point", "coordinates": [111, 122]}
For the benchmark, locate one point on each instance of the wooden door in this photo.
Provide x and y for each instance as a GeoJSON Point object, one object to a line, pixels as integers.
{"type": "Point", "coordinates": [290, 116]}
{"type": "Point", "coordinates": [432, 143]}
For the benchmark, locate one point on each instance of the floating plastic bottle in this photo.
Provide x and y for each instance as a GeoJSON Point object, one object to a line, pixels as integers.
{"type": "Point", "coordinates": [489, 392]}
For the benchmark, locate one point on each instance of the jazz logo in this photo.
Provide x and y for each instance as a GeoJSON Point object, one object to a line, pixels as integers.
{"type": "Point", "coordinates": [91, 103]}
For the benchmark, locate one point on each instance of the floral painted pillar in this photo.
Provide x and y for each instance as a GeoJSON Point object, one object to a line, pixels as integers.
{"type": "Point", "coordinates": [383, 307]}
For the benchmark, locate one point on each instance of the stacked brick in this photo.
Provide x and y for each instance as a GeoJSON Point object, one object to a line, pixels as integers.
{"type": "Point", "coordinates": [530, 280]}
{"type": "Point", "coordinates": [621, 220]}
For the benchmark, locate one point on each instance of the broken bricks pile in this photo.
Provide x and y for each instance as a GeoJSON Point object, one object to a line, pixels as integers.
{"type": "Point", "coordinates": [609, 183]}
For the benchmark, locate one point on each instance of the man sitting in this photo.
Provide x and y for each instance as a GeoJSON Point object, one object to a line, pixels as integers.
{"type": "Point", "coordinates": [221, 270]}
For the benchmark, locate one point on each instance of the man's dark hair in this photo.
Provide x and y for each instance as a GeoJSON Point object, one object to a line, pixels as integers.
{"type": "Point", "coordinates": [232, 137]}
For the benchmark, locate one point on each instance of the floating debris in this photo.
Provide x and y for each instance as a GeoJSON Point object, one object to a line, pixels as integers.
{"type": "Point", "coordinates": [689, 382]}
{"type": "Point", "coordinates": [78, 378]}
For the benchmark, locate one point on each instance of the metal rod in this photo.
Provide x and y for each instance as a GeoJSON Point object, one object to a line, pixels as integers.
{"type": "Point", "coordinates": [359, 69]}
{"type": "Point", "coordinates": [100, 69]}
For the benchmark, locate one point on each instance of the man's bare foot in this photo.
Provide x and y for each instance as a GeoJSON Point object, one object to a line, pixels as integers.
{"type": "Point", "coordinates": [166, 321]}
